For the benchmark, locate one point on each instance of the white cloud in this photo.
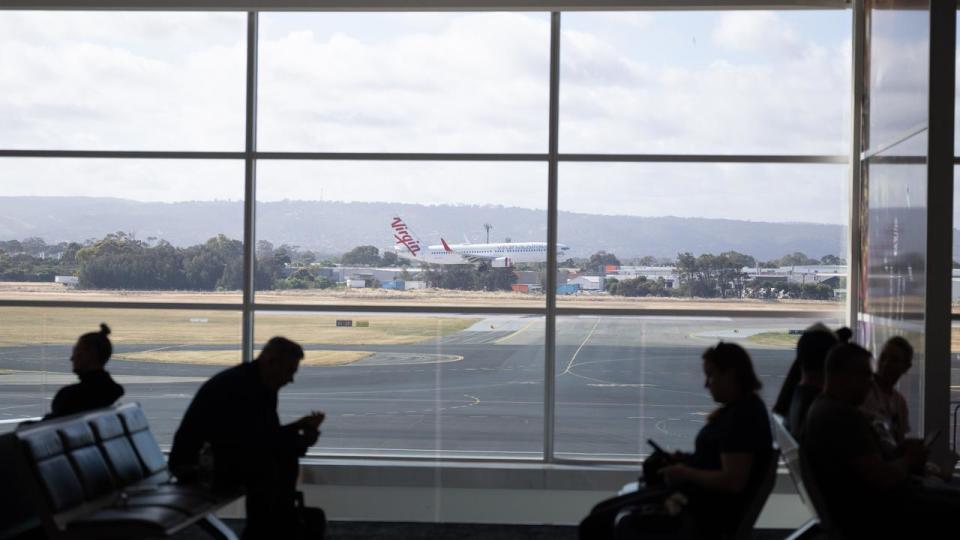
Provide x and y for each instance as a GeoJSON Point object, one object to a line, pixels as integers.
{"type": "Point", "coordinates": [460, 83]}
{"type": "Point", "coordinates": [756, 31]}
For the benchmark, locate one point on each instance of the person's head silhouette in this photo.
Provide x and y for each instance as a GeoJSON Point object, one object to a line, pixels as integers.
{"type": "Point", "coordinates": [92, 351]}
{"type": "Point", "coordinates": [279, 361]}
{"type": "Point", "coordinates": [849, 374]}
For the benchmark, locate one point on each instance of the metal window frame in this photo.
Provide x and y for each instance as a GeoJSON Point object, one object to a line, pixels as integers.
{"type": "Point", "coordinates": [419, 5]}
{"type": "Point", "coordinates": [250, 155]}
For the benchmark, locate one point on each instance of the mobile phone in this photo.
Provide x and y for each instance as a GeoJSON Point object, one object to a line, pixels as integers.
{"type": "Point", "coordinates": [655, 446]}
{"type": "Point", "coordinates": [931, 438]}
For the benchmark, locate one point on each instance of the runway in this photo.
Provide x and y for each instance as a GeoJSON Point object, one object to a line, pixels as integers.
{"type": "Point", "coordinates": [479, 392]}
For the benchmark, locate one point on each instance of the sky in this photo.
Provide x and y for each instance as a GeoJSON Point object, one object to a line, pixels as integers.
{"type": "Point", "coordinates": [671, 82]}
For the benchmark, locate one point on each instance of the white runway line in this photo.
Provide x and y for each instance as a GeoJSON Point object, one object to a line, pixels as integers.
{"type": "Point", "coordinates": [585, 340]}
{"type": "Point", "coordinates": [18, 420]}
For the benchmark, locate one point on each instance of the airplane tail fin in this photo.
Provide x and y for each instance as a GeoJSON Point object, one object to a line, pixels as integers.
{"type": "Point", "coordinates": [446, 246]}
{"type": "Point", "coordinates": [405, 237]}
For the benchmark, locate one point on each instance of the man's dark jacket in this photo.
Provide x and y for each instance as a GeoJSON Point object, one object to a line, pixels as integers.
{"type": "Point", "coordinates": [237, 414]}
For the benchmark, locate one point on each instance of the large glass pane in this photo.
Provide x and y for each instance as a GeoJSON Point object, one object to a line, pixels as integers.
{"type": "Point", "coordinates": [402, 82]}
{"type": "Point", "coordinates": [161, 357]}
{"type": "Point", "coordinates": [897, 69]}
{"type": "Point", "coordinates": [623, 380]}
{"type": "Point", "coordinates": [407, 233]}
{"type": "Point", "coordinates": [894, 224]}
{"type": "Point", "coordinates": [417, 384]}
{"type": "Point", "coordinates": [895, 256]}
{"type": "Point", "coordinates": [141, 230]}
{"type": "Point", "coordinates": [122, 81]}
{"type": "Point", "coordinates": [718, 82]}
{"type": "Point", "coordinates": [704, 236]}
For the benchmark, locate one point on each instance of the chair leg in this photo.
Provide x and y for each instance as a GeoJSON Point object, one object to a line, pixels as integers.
{"type": "Point", "coordinates": [216, 528]}
{"type": "Point", "coordinates": [809, 530]}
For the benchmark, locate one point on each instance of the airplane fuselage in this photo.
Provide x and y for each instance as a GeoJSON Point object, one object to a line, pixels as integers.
{"type": "Point", "coordinates": [500, 254]}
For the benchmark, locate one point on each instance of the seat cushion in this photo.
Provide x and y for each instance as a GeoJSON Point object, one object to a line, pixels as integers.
{"type": "Point", "coordinates": [117, 449]}
{"type": "Point", "coordinates": [107, 426]}
{"type": "Point", "coordinates": [91, 466]}
{"type": "Point", "coordinates": [123, 461]}
{"type": "Point", "coordinates": [151, 457]}
{"type": "Point", "coordinates": [130, 522]}
{"type": "Point", "coordinates": [76, 435]}
{"type": "Point", "coordinates": [43, 444]}
{"type": "Point", "coordinates": [137, 429]}
{"type": "Point", "coordinates": [61, 485]}
{"type": "Point", "coordinates": [183, 501]}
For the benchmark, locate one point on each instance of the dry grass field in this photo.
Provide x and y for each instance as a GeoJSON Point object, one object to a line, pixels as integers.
{"type": "Point", "coordinates": [34, 325]}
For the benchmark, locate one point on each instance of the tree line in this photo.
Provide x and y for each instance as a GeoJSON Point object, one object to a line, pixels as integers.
{"type": "Point", "coordinates": [122, 261]}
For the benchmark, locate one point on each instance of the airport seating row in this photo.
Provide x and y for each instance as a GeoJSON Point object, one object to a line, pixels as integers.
{"type": "Point", "coordinates": [820, 524]}
{"type": "Point", "coordinates": [101, 474]}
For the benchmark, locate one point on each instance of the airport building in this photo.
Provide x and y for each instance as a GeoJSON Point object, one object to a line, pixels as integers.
{"type": "Point", "coordinates": [202, 175]}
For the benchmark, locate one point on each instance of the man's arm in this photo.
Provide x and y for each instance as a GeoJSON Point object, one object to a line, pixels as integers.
{"type": "Point", "coordinates": [875, 472]}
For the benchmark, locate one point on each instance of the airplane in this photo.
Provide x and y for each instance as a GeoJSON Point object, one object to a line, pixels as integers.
{"type": "Point", "coordinates": [494, 255]}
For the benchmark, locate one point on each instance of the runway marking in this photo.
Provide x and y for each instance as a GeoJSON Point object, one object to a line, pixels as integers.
{"type": "Point", "coordinates": [18, 420]}
{"type": "Point", "coordinates": [641, 418]}
{"type": "Point", "coordinates": [16, 406]}
{"type": "Point", "coordinates": [574, 357]}
{"type": "Point", "coordinates": [660, 425]}
{"type": "Point", "coordinates": [517, 333]}
{"type": "Point", "coordinates": [620, 385]}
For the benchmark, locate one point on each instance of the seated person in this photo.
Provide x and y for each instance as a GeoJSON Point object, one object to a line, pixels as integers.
{"type": "Point", "coordinates": [233, 419]}
{"type": "Point", "coordinates": [731, 453]}
{"type": "Point", "coordinates": [842, 453]}
{"type": "Point", "coordinates": [884, 405]}
{"type": "Point", "coordinates": [812, 349]}
{"type": "Point", "coordinates": [96, 388]}
{"type": "Point", "coordinates": [785, 398]}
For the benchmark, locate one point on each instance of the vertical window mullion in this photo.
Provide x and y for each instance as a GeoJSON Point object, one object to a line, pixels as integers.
{"type": "Point", "coordinates": [250, 189]}
{"type": "Point", "coordinates": [550, 344]}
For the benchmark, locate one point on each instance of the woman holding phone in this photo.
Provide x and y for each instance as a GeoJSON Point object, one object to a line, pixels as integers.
{"type": "Point", "coordinates": [718, 478]}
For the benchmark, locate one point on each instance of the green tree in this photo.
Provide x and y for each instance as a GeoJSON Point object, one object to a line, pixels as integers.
{"type": "Point", "coordinates": [362, 256]}
{"type": "Point", "coordinates": [599, 260]}
{"type": "Point", "coordinates": [797, 258]}
{"type": "Point", "coordinates": [389, 259]}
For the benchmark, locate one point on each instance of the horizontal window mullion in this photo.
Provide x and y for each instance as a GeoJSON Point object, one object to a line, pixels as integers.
{"type": "Point", "coordinates": [85, 304]}
{"type": "Point", "coordinates": [418, 5]}
{"type": "Point", "coordinates": [704, 158]}
{"type": "Point", "coordinates": [431, 156]}
{"type": "Point", "coordinates": [399, 156]}
{"type": "Point", "coordinates": [121, 154]}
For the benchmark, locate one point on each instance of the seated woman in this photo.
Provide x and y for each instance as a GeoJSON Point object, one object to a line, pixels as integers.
{"type": "Point", "coordinates": [96, 388]}
{"type": "Point", "coordinates": [730, 456]}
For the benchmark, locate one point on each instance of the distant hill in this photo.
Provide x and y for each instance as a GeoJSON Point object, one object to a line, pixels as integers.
{"type": "Point", "coordinates": [335, 227]}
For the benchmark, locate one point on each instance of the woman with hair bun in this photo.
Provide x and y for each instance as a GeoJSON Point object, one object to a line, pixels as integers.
{"type": "Point", "coordinates": [96, 388]}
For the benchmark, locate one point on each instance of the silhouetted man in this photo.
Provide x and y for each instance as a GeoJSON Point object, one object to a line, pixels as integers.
{"type": "Point", "coordinates": [235, 413]}
{"type": "Point", "coordinates": [885, 405]}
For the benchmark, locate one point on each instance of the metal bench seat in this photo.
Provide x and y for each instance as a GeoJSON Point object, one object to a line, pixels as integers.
{"type": "Point", "coordinates": [101, 474]}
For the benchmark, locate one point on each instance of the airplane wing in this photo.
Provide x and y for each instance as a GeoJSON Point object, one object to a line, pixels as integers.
{"type": "Point", "coordinates": [472, 258]}
{"type": "Point", "coordinates": [477, 259]}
